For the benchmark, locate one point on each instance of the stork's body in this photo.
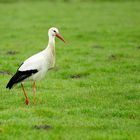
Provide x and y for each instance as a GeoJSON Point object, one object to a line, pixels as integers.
{"type": "Point", "coordinates": [41, 61]}
{"type": "Point", "coordinates": [36, 66]}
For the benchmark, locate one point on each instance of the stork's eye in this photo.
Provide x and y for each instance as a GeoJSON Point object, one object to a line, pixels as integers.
{"type": "Point", "coordinates": [54, 31]}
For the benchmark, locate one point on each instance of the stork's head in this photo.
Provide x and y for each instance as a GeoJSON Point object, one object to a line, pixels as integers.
{"type": "Point", "coordinates": [54, 32]}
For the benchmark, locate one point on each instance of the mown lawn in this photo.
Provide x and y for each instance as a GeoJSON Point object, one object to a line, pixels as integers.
{"type": "Point", "coordinates": [94, 90]}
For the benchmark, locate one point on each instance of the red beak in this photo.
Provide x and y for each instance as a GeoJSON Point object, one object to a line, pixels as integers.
{"type": "Point", "coordinates": [60, 37]}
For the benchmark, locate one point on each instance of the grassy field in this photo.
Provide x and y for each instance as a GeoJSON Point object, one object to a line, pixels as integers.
{"type": "Point", "coordinates": [94, 90]}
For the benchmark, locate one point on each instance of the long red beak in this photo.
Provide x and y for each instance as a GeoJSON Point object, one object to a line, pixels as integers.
{"type": "Point", "coordinates": [60, 37]}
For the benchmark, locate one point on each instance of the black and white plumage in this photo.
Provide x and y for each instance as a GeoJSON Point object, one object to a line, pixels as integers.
{"type": "Point", "coordinates": [19, 77]}
{"type": "Point", "coordinates": [36, 66]}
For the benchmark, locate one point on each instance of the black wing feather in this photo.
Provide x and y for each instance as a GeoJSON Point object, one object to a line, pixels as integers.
{"type": "Point", "coordinates": [20, 76]}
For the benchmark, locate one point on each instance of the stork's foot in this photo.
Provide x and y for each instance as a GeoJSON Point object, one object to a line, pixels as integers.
{"type": "Point", "coordinates": [27, 101]}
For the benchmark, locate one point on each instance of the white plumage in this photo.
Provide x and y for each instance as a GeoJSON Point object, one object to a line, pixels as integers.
{"type": "Point", "coordinates": [41, 61]}
{"type": "Point", "coordinates": [35, 67]}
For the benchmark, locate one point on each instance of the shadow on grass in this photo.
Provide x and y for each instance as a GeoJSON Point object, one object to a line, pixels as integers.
{"type": "Point", "coordinates": [78, 76]}
{"type": "Point", "coordinates": [42, 127]}
{"type": "Point", "coordinates": [2, 72]}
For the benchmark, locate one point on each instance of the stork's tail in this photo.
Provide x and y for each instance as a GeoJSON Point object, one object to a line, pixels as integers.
{"type": "Point", "coordinates": [12, 81]}
{"type": "Point", "coordinates": [20, 76]}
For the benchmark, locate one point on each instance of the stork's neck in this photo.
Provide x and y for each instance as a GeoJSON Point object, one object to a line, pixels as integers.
{"type": "Point", "coordinates": [51, 41]}
{"type": "Point", "coordinates": [51, 44]}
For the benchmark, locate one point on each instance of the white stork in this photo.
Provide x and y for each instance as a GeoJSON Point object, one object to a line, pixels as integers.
{"type": "Point", "coordinates": [36, 66]}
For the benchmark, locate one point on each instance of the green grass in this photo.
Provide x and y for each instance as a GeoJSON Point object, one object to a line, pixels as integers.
{"type": "Point", "coordinates": [94, 90]}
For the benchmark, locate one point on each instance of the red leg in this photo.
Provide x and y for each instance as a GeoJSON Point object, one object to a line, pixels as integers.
{"type": "Point", "coordinates": [34, 91]}
{"type": "Point", "coordinates": [26, 100]}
